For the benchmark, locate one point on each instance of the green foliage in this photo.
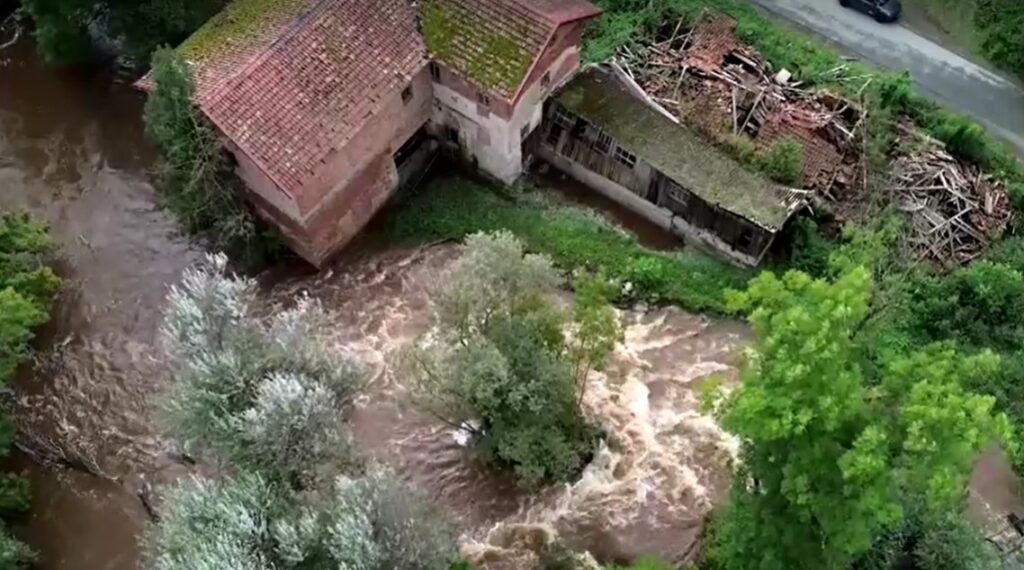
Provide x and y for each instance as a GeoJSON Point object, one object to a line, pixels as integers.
{"type": "Point", "coordinates": [501, 366]}
{"type": "Point", "coordinates": [783, 161]}
{"type": "Point", "coordinates": [196, 182]}
{"type": "Point", "coordinates": [371, 523]}
{"type": "Point", "coordinates": [645, 563]}
{"type": "Point", "coordinates": [833, 453]}
{"type": "Point", "coordinates": [62, 26]}
{"type": "Point", "coordinates": [451, 208]}
{"type": "Point", "coordinates": [263, 397]}
{"type": "Point", "coordinates": [1000, 23]}
{"type": "Point", "coordinates": [27, 289]}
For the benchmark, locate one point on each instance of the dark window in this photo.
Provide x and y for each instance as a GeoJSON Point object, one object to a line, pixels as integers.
{"type": "Point", "coordinates": [603, 142]}
{"type": "Point", "coordinates": [546, 80]}
{"type": "Point", "coordinates": [435, 71]}
{"type": "Point", "coordinates": [483, 98]}
{"type": "Point", "coordinates": [554, 134]}
{"type": "Point", "coordinates": [407, 94]}
{"type": "Point", "coordinates": [410, 147]}
{"type": "Point", "coordinates": [625, 157]}
{"type": "Point", "coordinates": [746, 240]}
{"type": "Point", "coordinates": [563, 120]}
{"type": "Point", "coordinates": [453, 134]}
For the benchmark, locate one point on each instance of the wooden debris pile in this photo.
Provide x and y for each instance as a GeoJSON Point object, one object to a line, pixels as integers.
{"type": "Point", "coordinates": [710, 79]}
{"type": "Point", "coordinates": [954, 209]}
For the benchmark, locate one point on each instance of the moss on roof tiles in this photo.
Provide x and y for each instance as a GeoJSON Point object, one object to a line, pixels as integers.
{"type": "Point", "coordinates": [675, 150]}
{"type": "Point", "coordinates": [236, 26]}
{"type": "Point", "coordinates": [457, 36]}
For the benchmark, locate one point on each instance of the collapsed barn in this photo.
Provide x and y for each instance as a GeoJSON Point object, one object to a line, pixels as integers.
{"type": "Point", "coordinates": [705, 78]}
{"type": "Point", "coordinates": [602, 131]}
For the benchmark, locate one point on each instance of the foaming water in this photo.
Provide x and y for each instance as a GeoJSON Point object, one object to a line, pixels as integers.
{"type": "Point", "coordinates": [648, 489]}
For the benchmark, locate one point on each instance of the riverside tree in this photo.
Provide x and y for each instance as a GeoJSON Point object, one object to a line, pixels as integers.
{"type": "Point", "coordinates": [264, 399]}
{"type": "Point", "coordinates": [262, 396]}
{"type": "Point", "coordinates": [830, 454]}
{"type": "Point", "coordinates": [196, 183]}
{"type": "Point", "coordinates": [502, 366]}
{"type": "Point", "coordinates": [27, 289]}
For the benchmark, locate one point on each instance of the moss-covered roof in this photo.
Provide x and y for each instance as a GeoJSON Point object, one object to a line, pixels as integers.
{"type": "Point", "coordinates": [675, 150]}
{"type": "Point", "coordinates": [238, 25]}
{"type": "Point", "coordinates": [491, 42]}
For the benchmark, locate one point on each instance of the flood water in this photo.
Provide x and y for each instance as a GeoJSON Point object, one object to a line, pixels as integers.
{"type": "Point", "coordinates": [72, 153]}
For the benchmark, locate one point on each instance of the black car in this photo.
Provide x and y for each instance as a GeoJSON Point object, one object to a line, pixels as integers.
{"type": "Point", "coordinates": [882, 10]}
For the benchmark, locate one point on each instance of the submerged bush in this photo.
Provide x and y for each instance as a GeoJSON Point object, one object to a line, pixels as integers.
{"type": "Point", "coordinates": [502, 367]}
{"type": "Point", "coordinates": [370, 523]}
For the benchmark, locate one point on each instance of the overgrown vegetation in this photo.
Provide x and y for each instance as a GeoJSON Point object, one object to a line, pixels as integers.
{"type": "Point", "coordinates": [67, 30]}
{"type": "Point", "coordinates": [451, 208]}
{"type": "Point", "coordinates": [500, 365]}
{"type": "Point", "coordinates": [196, 182]}
{"type": "Point", "coordinates": [27, 289]}
{"type": "Point", "coordinates": [783, 161]}
{"type": "Point", "coordinates": [990, 28]}
{"type": "Point", "coordinates": [264, 400]}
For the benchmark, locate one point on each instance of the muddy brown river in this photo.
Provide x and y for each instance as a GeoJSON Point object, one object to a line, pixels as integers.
{"type": "Point", "coordinates": [72, 153]}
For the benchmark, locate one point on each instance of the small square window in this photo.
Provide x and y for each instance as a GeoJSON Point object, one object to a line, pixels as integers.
{"type": "Point", "coordinates": [563, 120]}
{"type": "Point", "coordinates": [746, 240]}
{"type": "Point", "coordinates": [407, 94]}
{"type": "Point", "coordinates": [483, 98]}
{"type": "Point", "coordinates": [603, 142]}
{"type": "Point", "coordinates": [545, 81]}
{"type": "Point", "coordinates": [453, 134]}
{"type": "Point", "coordinates": [625, 157]}
{"type": "Point", "coordinates": [435, 71]}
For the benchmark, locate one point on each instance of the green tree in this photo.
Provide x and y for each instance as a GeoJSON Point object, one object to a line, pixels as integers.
{"type": "Point", "coordinates": [502, 367]}
{"type": "Point", "coordinates": [829, 454]}
{"type": "Point", "coordinates": [27, 289]}
{"type": "Point", "coordinates": [196, 183]}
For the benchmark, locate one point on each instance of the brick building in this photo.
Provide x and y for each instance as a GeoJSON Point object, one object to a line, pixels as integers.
{"type": "Point", "coordinates": [326, 104]}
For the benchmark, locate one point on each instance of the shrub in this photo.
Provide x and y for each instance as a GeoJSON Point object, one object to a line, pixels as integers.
{"type": "Point", "coordinates": [265, 397]}
{"type": "Point", "coordinates": [501, 366]}
{"type": "Point", "coordinates": [783, 161]}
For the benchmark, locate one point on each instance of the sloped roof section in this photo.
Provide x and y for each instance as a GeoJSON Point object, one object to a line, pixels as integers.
{"type": "Point", "coordinates": [239, 33]}
{"type": "Point", "coordinates": [306, 91]}
{"type": "Point", "coordinates": [675, 150]}
{"type": "Point", "coordinates": [491, 42]}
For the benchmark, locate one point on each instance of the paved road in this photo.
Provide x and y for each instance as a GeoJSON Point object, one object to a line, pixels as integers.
{"type": "Point", "coordinates": [992, 100]}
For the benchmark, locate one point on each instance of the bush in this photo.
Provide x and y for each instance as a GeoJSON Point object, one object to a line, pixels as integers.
{"type": "Point", "coordinates": [783, 161]}
{"type": "Point", "coordinates": [263, 397]}
{"type": "Point", "coordinates": [371, 523]}
{"type": "Point", "coordinates": [501, 367]}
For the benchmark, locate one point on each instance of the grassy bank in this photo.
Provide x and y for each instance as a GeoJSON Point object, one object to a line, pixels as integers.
{"type": "Point", "coordinates": [452, 207]}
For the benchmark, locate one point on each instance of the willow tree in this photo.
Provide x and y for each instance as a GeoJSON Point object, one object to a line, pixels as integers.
{"type": "Point", "coordinates": [830, 454]}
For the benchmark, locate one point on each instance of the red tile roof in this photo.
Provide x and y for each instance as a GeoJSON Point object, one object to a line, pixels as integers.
{"type": "Point", "coordinates": [494, 43]}
{"type": "Point", "coordinates": [296, 91]}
